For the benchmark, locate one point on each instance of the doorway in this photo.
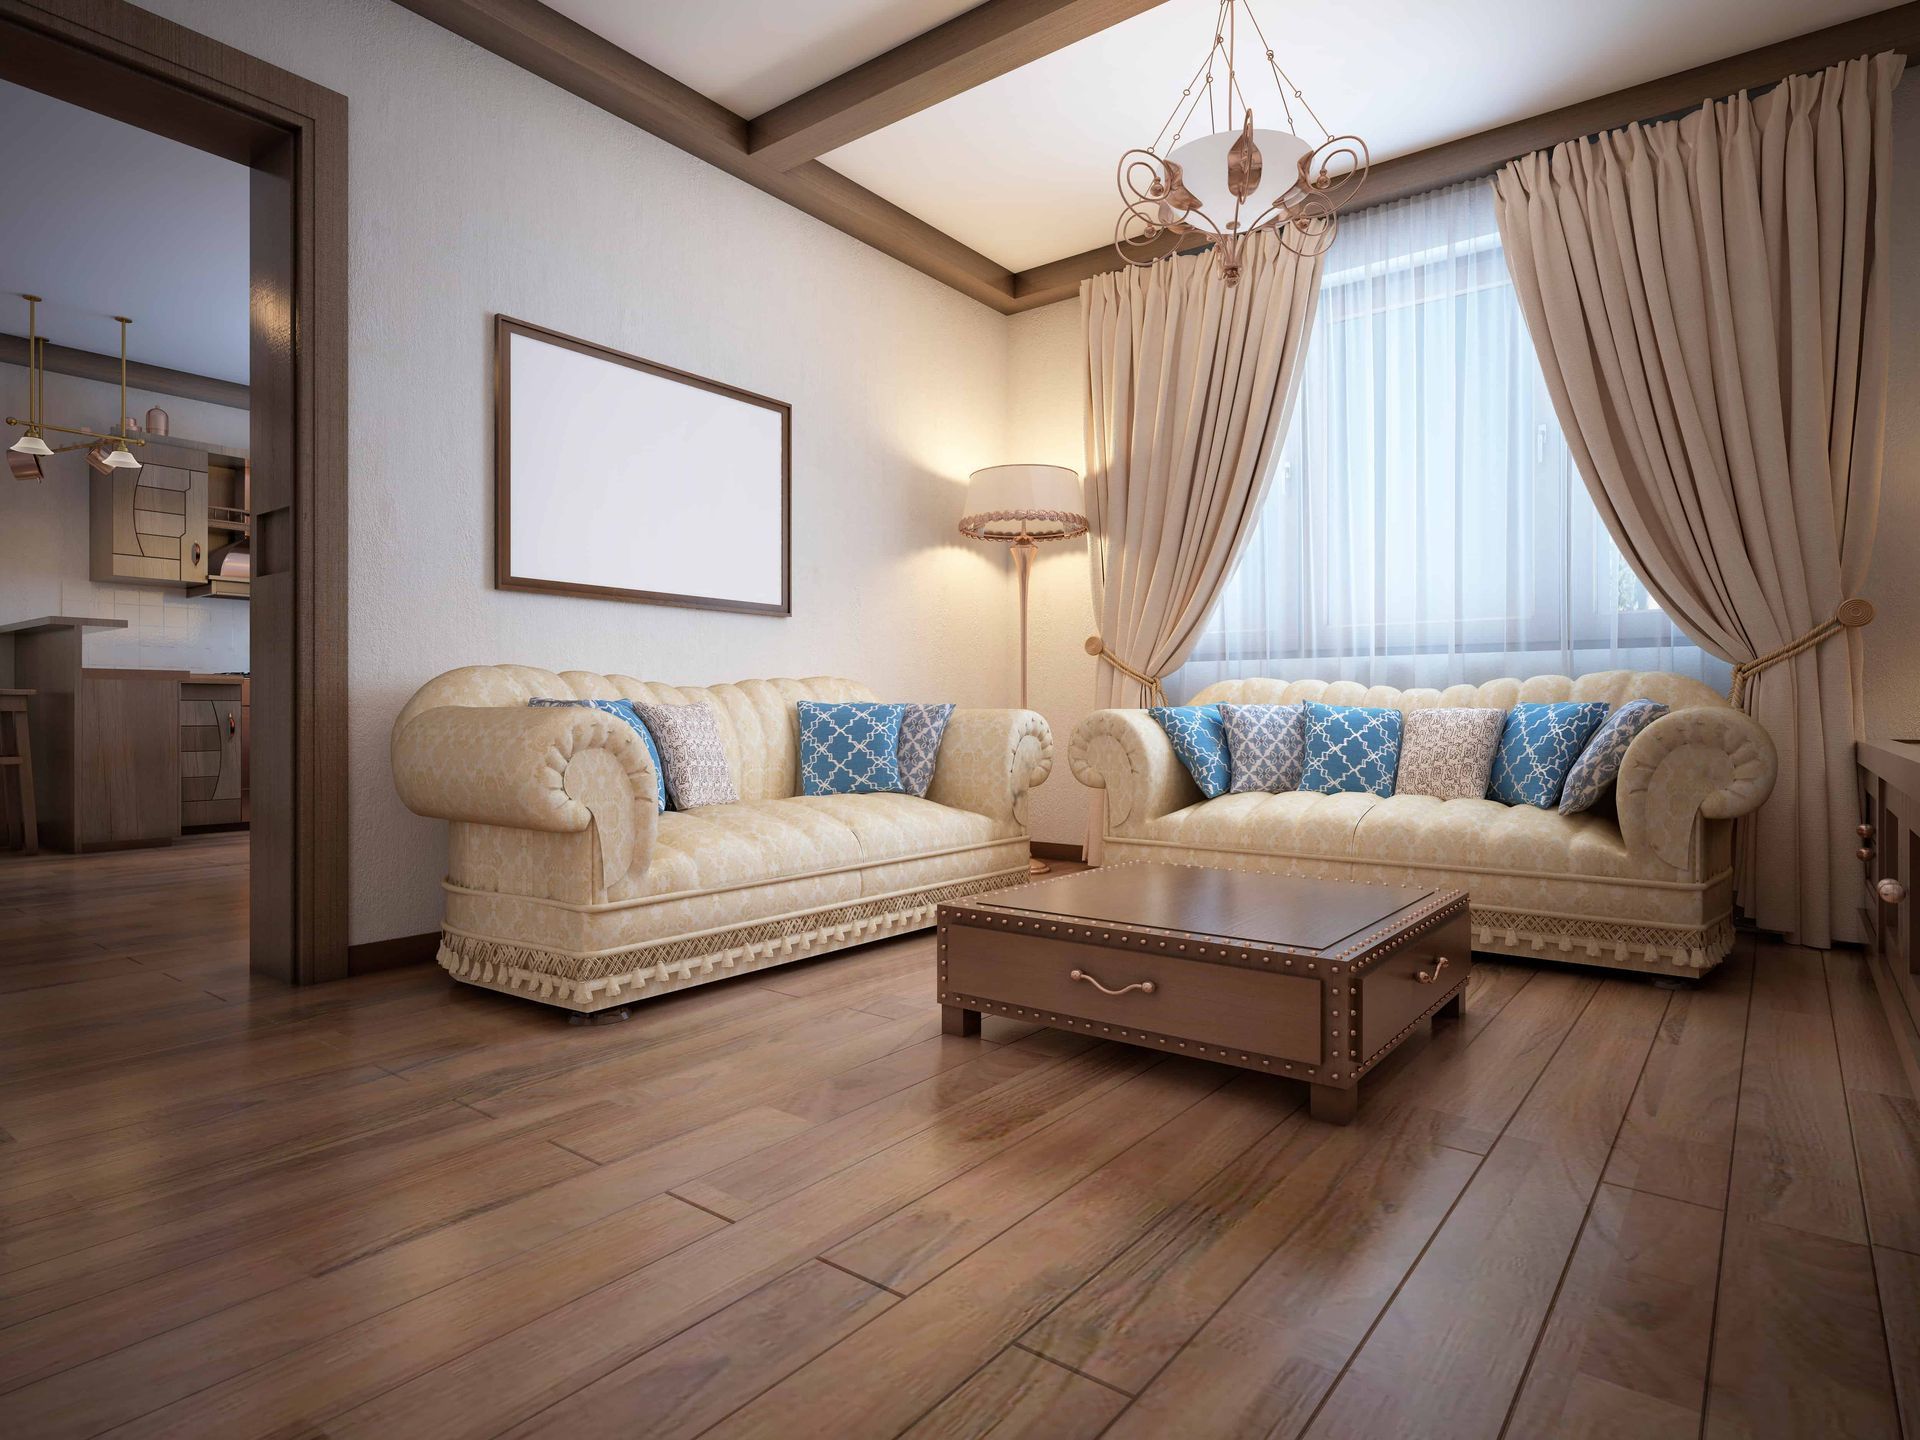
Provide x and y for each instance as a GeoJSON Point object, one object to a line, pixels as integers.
{"type": "Point", "coordinates": [291, 135]}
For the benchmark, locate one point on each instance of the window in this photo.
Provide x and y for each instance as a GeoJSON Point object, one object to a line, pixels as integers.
{"type": "Point", "coordinates": [1425, 525]}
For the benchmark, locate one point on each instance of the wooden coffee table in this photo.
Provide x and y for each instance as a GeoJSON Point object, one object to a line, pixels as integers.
{"type": "Point", "coordinates": [1315, 979]}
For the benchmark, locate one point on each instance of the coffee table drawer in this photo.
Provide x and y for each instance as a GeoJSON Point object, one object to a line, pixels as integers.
{"type": "Point", "coordinates": [1391, 994]}
{"type": "Point", "coordinates": [1218, 1005]}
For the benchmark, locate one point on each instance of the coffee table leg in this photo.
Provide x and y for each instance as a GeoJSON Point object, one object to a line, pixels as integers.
{"type": "Point", "coordinates": [957, 1020]}
{"type": "Point", "coordinates": [1332, 1105]}
{"type": "Point", "coordinates": [1454, 1008]}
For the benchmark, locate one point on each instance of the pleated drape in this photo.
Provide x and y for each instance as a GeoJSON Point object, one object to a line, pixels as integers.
{"type": "Point", "coordinates": [1708, 298]}
{"type": "Point", "coordinates": [1191, 382]}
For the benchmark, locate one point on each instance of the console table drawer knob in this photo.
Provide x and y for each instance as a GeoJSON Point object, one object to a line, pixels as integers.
{"type": "Point", "coordinates": [1864, 831]}
{"type": "Point", "coordinates": [1865, 852]}
{"type": "Point", "coordinates": [1427, 977]}
{"type": "Point", "coordinates": [1891, 891]}
{"type": "Point", "coordinates": [1145, 987]}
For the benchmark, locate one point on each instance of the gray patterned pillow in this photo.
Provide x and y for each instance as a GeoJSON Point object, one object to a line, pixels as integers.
{"type": "Point", "coordinates": [1599, 764]}
{"type": "Point", "coordinates": [692, 754]}
{"type": "Point", "coordinates": [1267, 745]}
{"type": "Point", "coordinates": [1447, 752]}
{"type": "Point", "coordinates": [921, 730]}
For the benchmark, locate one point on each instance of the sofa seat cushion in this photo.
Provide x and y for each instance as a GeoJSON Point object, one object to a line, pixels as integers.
{"type": "Point", "coordinates": [1482, 835]}
{"type": "Point", "coordinates": [1298, 822]}
{"type": "Point", "coordinates": [756, 841]}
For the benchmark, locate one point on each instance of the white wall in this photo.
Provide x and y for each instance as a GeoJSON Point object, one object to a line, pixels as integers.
{"type": "Point", "coordinates": [1046, 400]}
{"type": "Point", "coordinates": [478, 188]}
{"type": "Point", "coordinates": [1893, 640]}
{"type": "Point", "coordinates": [44, 567]}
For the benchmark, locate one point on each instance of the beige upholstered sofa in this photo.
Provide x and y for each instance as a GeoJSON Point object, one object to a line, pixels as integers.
{"type": "Point", "coordinates": [1642, 881]}
{"type": "Point", "coordinates": [565, 883]}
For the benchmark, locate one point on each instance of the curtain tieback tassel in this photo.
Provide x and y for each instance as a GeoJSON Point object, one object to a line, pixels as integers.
{"type": "Point", "coordinates": [1097, 648]}
{"type": "Point", "coordinates": [1850, 615]}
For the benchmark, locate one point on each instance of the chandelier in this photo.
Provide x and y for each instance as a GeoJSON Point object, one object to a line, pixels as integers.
{"type": "Point", "coordinates": [105, 452]}
{"type": "Point", "coordinates": [1234, 182]}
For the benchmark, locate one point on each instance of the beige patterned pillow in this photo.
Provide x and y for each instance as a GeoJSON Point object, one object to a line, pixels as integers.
{"type": "Point", "coordinates": [1448, 752]}
{"type": "Point", "coordinates": [692, 754]}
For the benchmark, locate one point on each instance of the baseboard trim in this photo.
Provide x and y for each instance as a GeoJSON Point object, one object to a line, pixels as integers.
{"type": "Point", "coordinates": [376, 955]}
{"type": "Point", "coordinates": [1056, 850]}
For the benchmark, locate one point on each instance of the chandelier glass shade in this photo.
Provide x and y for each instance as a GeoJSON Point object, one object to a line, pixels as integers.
{"type": "Point", "coordinates": [1239, 180]}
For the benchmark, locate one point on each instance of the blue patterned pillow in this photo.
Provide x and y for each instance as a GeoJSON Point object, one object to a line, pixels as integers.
{"type": "Point", "coordinates": [1599, 764]}
{"type": "Point", "coordinates": [624, 709]}
{"type": "Point", "coordinates": [921, 729]}
{"type": "Point", "coordinates": [1267, 745]}
{"type": "Point", "coordinates": [1200, 740]}
{"type": "Point", "coordinates": [1351, 748]}
{"type": "Point", "coordinates": [1538, 747]}
{"type": "Point", "coordinates": [849, 747]}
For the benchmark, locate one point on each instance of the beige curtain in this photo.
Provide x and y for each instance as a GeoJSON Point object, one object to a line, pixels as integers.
{"type": "Point", "coordinates": [1190, 385]}
{"type": "Point", "coordinates": [1708, 297]}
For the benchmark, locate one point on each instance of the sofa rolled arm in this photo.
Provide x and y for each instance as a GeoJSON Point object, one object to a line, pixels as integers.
{"type": "Point", "coordinates": [989, 760]}
{"type": "Point", "coordinates": [1702, 761]}
{"type": "Point", "coordinates": [1126, 753]}
{"type": "Point", "coordinates": [559, 768]}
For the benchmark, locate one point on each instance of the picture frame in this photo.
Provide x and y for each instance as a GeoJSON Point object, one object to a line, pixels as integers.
{"type": "Point", "coordinates": [619, 478]}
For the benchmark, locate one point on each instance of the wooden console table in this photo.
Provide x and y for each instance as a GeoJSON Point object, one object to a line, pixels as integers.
{"type": "Point", "coordinates": [1889, 777]}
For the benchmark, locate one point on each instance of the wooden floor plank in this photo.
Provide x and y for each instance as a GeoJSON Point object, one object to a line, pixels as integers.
{"type": "Point", "coordinates": [1678, 1136]}
{"type": "Point", "coordinates": [1020, 1396]}
{"type": "Point", "coordinates": [410, 1372]}
{"type": "Point", "coordinates": [1881, 1104]}
{"type": "Point", "coordinates": [1624, 1352]}
{"type": "Point", "coordinates": [1126, 1323]}
{"type": "Point", "coordinates": [1793, 1160]}
{"type": "Point", "coordinates": [400, 1206]}
{"type": "Point", "coordinates": [935, 1339]}
{"type": "Point", "coordinates": [1446, 1357]}
{"type": "Point", "coordinates": [678, 1390]}
{"type": "Point", "coordinates": [1799, 1347]}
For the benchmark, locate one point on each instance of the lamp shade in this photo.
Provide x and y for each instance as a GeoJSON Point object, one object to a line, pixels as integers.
{"type": "Point", "coordinates": [120, 458]}
{"type": "Point", "coordinates": [1041, 502]}
{"type": "Point", "coordinates": [31, 444]}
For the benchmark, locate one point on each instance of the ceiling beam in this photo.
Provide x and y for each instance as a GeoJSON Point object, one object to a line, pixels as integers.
{"type": "Point", "coordinates": [972, 48]}
{"type": "Point", "coordinates": [1474, 156]}
{"type": "Point", "coordinates": [582, 63]}
{"type": "Point", "coordinates": [156, 379]}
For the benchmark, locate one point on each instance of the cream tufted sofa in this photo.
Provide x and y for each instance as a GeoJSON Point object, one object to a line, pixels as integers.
{"type": "Point", "coordinates": [565, 883]}
{"type": "Point", "coordinates": [1643, 881]}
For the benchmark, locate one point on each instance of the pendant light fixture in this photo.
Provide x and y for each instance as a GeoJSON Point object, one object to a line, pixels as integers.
{"type": "Point", "coordinates": [105, 452]}
{"type": "Point", "coordinates": [1211, 188]}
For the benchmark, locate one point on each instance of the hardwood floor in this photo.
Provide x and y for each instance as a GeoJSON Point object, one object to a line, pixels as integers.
{"type": "Point", "coordinates": [788, 1205]}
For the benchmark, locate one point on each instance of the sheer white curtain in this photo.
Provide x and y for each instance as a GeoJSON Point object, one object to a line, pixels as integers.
{"type": "Point", "coordinates": [1426, 526]}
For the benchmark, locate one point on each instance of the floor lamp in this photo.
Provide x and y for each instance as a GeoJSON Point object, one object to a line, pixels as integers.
{"type": "Point", "coordinates": [1021, 506]}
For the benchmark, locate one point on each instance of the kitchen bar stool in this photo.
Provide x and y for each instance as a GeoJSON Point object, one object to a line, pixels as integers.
{"type": "Point", "coordinates": [17, 761]}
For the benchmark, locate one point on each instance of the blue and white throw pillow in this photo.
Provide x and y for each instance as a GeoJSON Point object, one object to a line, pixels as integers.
{"type": "Point", "coordinates": [1267, 745]}
{"type": "Point", "coordinates": [1538, 748]}
{"type": "Point", "coordinates": [624, 709]}
{"type": "Point", "coordinates": [849, 747]}
{"type": "Point", "coordinates": [921, 729]}
{"type": "Point", "coordinates": [1351, 748]}
{"type": "Point", "coordinates": [1599, 764]}
{"type": "Point", "coordinates": [1200, 740]}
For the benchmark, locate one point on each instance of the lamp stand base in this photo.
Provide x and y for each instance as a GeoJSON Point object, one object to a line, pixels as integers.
{"type": "Point", "coordinates": [1039, 867]}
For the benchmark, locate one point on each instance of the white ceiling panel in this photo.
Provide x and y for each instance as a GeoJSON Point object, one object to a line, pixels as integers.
{"type": "Point", "coordinates": [104, 219]}
{"type": "Point", "coordinates": [1022, 168]}
{"type": "Point", "coordinates": [752, 55]}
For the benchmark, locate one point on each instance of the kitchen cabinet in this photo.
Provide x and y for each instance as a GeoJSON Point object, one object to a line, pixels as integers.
{"type": "Point", "coordinates": [215, 746]}
{"type": "Point", "coordinates": [158, 525]}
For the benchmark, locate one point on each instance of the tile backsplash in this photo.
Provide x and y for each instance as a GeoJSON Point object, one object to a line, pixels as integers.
{"type": "Point", "coordinates": [165, 631]}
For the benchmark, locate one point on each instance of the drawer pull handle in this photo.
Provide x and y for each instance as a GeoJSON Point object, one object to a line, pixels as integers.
{"type": "Point", "coordinates": [1891, 892]}
{"type": "Point", "coordinates": [1145, 987]}
{"type": "Point", "coordinates": [1427, 977]}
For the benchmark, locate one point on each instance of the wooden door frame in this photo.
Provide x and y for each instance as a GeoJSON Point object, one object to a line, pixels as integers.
{"type": "Point", "coordinates": [113, 58]}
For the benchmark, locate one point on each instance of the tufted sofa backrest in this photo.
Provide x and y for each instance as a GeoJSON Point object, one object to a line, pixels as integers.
{"type": "Point", "coordinates": [757, 719]}
{"type": "Point", "coordinates": [1616, 687]}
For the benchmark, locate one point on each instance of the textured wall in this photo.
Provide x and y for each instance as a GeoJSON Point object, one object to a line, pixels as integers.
{"type": "Point", "coordinates": [44, 566]}
{"type": "Point", "coordinates": [478, 188]}
{"type": "Point", "coordinates": [1046, 389]}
